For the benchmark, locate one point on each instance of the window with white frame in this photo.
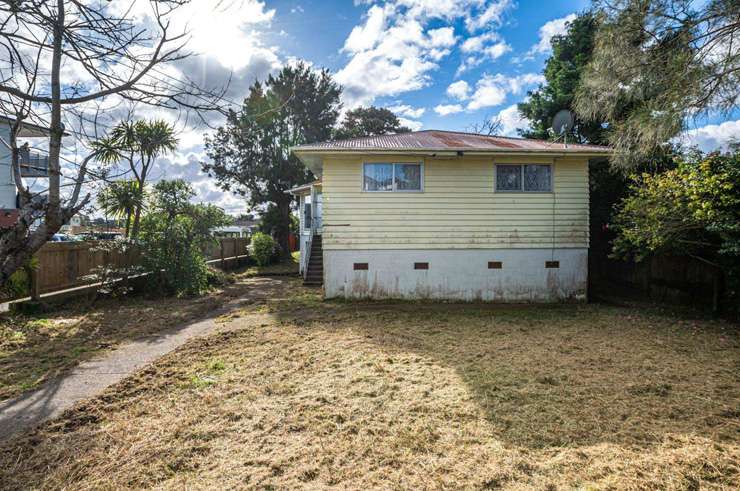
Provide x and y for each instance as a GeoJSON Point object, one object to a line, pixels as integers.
{"type": "Point", "coordinates": [529, 178]}
{"type": "Point", "coordinates": [400, 177]}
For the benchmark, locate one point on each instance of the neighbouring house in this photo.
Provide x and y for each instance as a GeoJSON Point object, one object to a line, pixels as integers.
{"type": "Point", "coordinates": [242, 227]}
{"type": "Point", "coordinates": [77, 224]}
{"type": "Point", "coordinates": [33, 165]}
{"type": "Point", "coordinates": [447, 215]}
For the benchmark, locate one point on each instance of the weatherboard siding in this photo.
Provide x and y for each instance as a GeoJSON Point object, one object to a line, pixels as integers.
{"type": "Point", "coordinates": [458, 208]}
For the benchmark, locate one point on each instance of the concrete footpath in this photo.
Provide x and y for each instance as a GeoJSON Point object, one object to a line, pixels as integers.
{"type": "Point", "coordinates": [92, 377]}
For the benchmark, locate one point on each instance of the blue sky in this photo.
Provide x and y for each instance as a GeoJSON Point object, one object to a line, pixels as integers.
{"type": "Point", "coordinates": [516, 30]}
{"type": "Point", "coordinates": [318, 31]}
{"type": "Point", "coordinates": [439, 64]}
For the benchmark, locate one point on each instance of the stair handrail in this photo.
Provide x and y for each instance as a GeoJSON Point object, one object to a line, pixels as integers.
{"type": "Point", "coordinates": [306, 258]}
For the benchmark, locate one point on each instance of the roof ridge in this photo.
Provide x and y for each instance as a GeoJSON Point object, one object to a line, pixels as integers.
{"type": "Point", "coordinates": [519, 138]}
{"type": "Point", "coordinates": [431, 138]}
{"type": "Point", "coordinates": [363, 137]}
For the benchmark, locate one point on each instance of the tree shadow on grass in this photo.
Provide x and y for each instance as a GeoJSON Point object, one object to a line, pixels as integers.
{"type": "Point", "coordinates": [473, 395]}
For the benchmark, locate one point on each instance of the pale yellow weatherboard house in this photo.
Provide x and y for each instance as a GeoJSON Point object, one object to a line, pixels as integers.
{"type": "Point", "coordinates": [447, 215]}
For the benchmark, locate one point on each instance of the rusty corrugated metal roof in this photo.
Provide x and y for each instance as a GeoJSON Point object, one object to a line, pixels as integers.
{"type": "Point", "coordinates": [430, 140]}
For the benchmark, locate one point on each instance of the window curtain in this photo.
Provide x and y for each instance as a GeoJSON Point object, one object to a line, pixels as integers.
{"type": "Point", "coordinates": [378, 177]}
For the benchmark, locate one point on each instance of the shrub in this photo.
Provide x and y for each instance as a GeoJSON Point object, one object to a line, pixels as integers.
{"type": "Point", "coordinates": [262, 248]}
{"type": "Point", "coordinates": [174, 236]}
{"type": "Point", "coordinates": [693, 210]}
{"type": "Point", "coordinates": [216, 277]}
{"type": "Point", "coordinates": [19, 283]}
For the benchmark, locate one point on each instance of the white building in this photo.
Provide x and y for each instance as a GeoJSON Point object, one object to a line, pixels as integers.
{"type": "Point", "coordinates": [447, 215]}
{"type": "Point", "coordinates": [33, 164]}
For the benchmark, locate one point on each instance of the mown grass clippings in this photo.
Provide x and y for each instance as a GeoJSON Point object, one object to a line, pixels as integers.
{"type": "Point", "coordinates": [411, 397]}
{"type": "Point", "coordinates": [285, 267]}
{"type": "Point", "coordinates": [36, 348]}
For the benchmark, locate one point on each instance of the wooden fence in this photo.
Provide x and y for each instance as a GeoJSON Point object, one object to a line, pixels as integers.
{"type": "Point", "coordinates": [667, 279]}
{"type": "Point", "coordinates": [63, 265]}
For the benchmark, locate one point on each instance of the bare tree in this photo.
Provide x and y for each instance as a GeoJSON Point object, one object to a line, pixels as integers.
{"type": "Point", "coordinates": [489, 126]}
{"type": "Point", "coordinates": [57, 59]}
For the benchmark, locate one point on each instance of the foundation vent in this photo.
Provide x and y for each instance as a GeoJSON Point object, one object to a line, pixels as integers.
{"type": "Point", "coordinates": [552, 264]}
{"type": "Point", "coordinates": [421, 265]}
{"type": "Point", "coordinates": [495, 264]}
{"type": "Point", "coordinates": [360, 266]}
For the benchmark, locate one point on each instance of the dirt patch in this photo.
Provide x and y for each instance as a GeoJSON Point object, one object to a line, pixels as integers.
{"type": "Point", "coordinates": [411, 396]}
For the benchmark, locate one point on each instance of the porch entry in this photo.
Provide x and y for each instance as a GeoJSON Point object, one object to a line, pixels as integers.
{"type": "Point", "coordinates": [312, 261]}
{"type": "Point", "coordinates": [311, 213]}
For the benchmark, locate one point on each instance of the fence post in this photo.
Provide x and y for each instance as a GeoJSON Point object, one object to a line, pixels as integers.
{"type": "Point", "coordinates": [223, 261]}
{"type": "Point", "coordinates": [646, 278]}
{"type": "Point", "coordinates": [716, 289]}
{"type": "Point", "coordinates": [72, 261]}
{"type": "Point", "coordinates": [35, 285]}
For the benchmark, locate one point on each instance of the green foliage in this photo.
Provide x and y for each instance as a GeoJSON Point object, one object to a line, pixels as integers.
{"type": "Point", "coordinates": [692, 210]}
{"type": "Point", "coordinates": [271, 220]}
{"type": "Point", "coordinates": [571, 53]}
{"type": "Point", "coordinates": [251, 154]}
{"type": "Point", "coordinates": [262, 248]}
{"type": "Point", "coordinates": [138, 144]}
{"type": "Point", "coordinates": [19, 283]}
{"type": "Point", "coordinates": [175, 235]}
{"type": "Point", "coordinates": [369, 121]}
{"type": "Point", "coordinates": [655, 65]}
{"type": "Point", "coordinates": [217, 277]}
{"type": "Point", "coordinates": [140, 139]}
{"type": "Point", "coordinates": [120, 199]}
{"type": "Point", "coordinates": [295, 224]}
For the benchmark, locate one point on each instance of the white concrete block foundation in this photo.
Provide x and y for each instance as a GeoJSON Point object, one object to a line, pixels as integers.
{"type": "Point", "coordinates": [458, 274]}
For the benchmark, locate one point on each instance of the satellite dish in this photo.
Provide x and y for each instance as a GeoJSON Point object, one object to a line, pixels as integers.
{"type": "Point", "coordinates": [563, 121]}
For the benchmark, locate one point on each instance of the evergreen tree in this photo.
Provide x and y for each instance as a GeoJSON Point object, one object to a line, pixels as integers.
{"type": "Point", "coordinates": [369, 121]}
{"type": "Point", "coordinates": [571, 53]}
{"type": "Point", "coordinates": [251, 155]}
{"type": "Point", "coordinates": [656, 64]}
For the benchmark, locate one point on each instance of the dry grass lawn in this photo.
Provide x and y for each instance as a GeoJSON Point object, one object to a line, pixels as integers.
{"type": "Point", "coordinates": [36, 348]}
{"type": "Point", "coordinates": [299, 393]}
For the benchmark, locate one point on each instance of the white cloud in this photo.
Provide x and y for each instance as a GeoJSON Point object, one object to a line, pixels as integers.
{"type": "Point", "coordinates": [411, 124]}
{"type": "Point", "coordinates": [229, 47]}
{"type": "Point", "coordinates": [367, 35]}
{"type": "Point", "coordinates": [475, 44]}
{"type": "Point", "coordinates": [713, 136]}
{"type": "Point", "coordinates": [393, 60]}
{"type": "Point", "coordinates": [406, 110]}
{"type": "Point", "coordinates": [441, 9]}
{"type": "Point", "coordinates": [398, 45]}
{"type": "Point", "coordinates": [497, 50]}
{"type": "Point", "coordinates": [491, 15]}
{"type": "Point", "coordinates": [460, 90]}
{"type": "Point", "coordinates": [226, 31]}
{"type": "Point", "coordinates": [511, 121]}
{"type": "Point", "coordinates": [487, 45]}
{"type": "Point", "coordinates": [444, 37]}
{"type": "Point", "coordinates": [547, 31]}
{"type": "Point", "coordinates": [492, 90]}
{"type": "Point", "coordinates": [445, 109]}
